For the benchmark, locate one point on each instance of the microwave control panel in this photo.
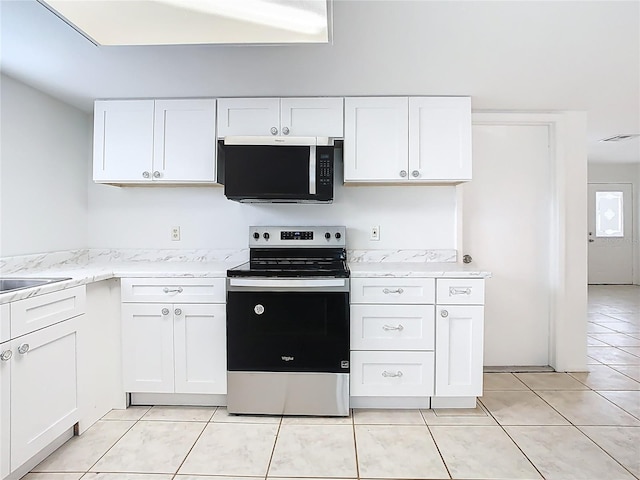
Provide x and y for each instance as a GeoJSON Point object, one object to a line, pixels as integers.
{"type": "Point", "coordinates": [325, 169]}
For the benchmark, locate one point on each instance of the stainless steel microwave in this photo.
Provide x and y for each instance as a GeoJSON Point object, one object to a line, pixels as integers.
{"type": "Point", "coordinates": [276, 169]}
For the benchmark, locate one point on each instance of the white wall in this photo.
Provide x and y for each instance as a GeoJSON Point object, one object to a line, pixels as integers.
{"type": "Point", "coordinates": [416, 217]}
{"type": "Point", "coordinates": [45, 153]}
{"type": "Point", "coordinates": [623, 173]}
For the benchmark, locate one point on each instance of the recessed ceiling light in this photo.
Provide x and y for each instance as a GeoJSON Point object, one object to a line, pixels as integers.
{"type": "Point", "coordinates": [621, 137]}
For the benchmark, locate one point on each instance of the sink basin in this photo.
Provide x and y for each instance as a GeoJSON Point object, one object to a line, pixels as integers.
{"type": "Point", "coordinates": [11, 284]}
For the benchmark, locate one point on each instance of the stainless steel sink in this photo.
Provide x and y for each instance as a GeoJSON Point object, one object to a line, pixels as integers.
{"type": "Point", "coordinates": [11, 284]}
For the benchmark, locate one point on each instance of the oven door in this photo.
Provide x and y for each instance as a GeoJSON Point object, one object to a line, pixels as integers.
{"type": "Point", "coordinates": [288, 329]}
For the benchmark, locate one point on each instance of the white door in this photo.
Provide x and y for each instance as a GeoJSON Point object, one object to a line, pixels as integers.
{"type": "Point", "coordinates": [200, 348]}
{"type": "Point", "coordinates": [185, 142]}
{"type": "Point", "coordinates": [5, 404]}
{"type": "Point", "coordinates": [147, 347]}
{"type": "Point", "coordinates": [312, 117]}
{"type": "Point", "coordinates": [506, 224]}
{"type": "Point", "coordinates": [44, 379]}
{"type": "Point", "coordinates": [610, 234]}
{"type": "Point", "coordinates": [459, 333]}
{"type": "Point", "coordinates": [440, 138]}
{"type": "Point", "coordinates": [248, 116]}
{"type": "Point", "coordinates": [123, 140]}
{"type": "Point", "coordinates": [376, 139]}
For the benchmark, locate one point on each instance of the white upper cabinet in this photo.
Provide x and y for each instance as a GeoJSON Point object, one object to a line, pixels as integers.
{"type": "Point", "coordinates": [161, 141]}
{"type": "Point", "coordinates": [407, 139]}
{"type": "Point", "coordinates": [376, 132]}
{"type": "Point", "coordinates": [440, 138]}
{"type": "Point", "coordinates": [301, 117]}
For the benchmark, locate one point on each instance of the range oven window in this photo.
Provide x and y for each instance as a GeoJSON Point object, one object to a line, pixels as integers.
{"type": "Point", "coordinates": [288, 331]}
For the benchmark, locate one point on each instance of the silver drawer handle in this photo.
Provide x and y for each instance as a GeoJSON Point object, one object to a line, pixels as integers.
{"type": "Point", "coordinates": [459, 291]}
{"type": "Point", "coordinates": [387, 291]}
{"type": "Point", "coordinates": [389, 327]}
{"type": "Point", "coordinates": [6, 355]}
{"type": "Point", "coordinates": [172, 290]}
{"type": "Point", "coordinates": [391, 374]}
{"type": "Point", "coordinates": [24, 348]}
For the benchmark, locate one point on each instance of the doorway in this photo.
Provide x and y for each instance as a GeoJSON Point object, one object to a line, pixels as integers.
{"type": "Point", "coordinates": [610, 233]}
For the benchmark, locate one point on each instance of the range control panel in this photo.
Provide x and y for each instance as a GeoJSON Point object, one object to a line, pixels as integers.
{"type": "Point", "coordinates": [297, 236]}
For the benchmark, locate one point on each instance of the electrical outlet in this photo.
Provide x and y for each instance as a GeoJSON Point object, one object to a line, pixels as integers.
{"type": "Point", "coordinates": [375, 233]}
{"type": "Point", "coordinates": [175, 234]}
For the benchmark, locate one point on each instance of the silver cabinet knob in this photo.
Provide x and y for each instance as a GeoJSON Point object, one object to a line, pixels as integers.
{"type": "Point", "coordinates": [403, 173]}
{"type": "Point", "coordinates": [444, 314]}
{"type": "Point", "coordinates": [165, 311]}
{"type": "Point", "coordinates": [274, 131]}
{"type": "Point", "coordinates": [157, 174]}
{"type": "Point", "coordinates": [146, 175]}
{"type": "Point", "coordinates": [259, 309]}
{"type": "Point", "coordinates": [415, 174]}
{"type": "Point", "coordinates": [467, 259]}
{"type": "Point", "coordinates": [24, 348]}
{"type": "Point", "coordinates": [285, 131]}
{"type": "Point", "coordinates": [6, 355]}
{"type": "Point", "coordinates": [177, 312]}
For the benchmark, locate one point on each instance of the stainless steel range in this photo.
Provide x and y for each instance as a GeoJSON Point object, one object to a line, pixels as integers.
{"type": "Point", "coordinates": [288, 324]}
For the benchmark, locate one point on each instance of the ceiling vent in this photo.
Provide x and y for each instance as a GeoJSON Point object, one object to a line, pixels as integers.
{"type": "Point", "coordinates": [621, 138]}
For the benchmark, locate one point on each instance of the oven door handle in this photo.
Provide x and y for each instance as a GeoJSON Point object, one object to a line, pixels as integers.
{"type": "Point", "coordinates": [287, 282]}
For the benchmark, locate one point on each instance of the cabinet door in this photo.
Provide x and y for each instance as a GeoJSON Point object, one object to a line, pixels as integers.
{"type": "Point", "coordinates": [44, 378]}
{"type": "Point", "coordinates": [248, 116]}
{"type": "Point", "coordinates": [185, 141]}
{"type": "Point", "coordinates": [376, 134]}
{"type": "Point", "coordinates": [459, 340]}
{"type": "Point", "coordinates": [200, 348]}
{"type": "Point", "coordinates": [439, 138]}
{"type": "Point", "coordinates": [392, 327]}
{"type": "Point", "coordinates": [5, 410]}
{"type": "Point", "coordinates": [147, 347]}
{"type": "Point", "coordinates": [312, 117]}
{"type": "Point", "coordinates": [123, 141]}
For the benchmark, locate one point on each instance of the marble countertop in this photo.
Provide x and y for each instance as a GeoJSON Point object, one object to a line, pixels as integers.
{"type": "Point", "coordinates": [416, 269]}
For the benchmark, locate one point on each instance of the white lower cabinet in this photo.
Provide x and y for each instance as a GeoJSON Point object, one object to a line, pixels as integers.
{"type": "Point", "coordinates": [459, 340]}
{"type": "Point", "coordinates": [38, 377]}
{"type": "Point", "coordinates": [173, 347]}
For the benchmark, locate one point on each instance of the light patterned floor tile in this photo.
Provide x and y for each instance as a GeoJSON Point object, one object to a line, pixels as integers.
{"type": "Point", "coordinates": [623, 327]}
{"type": "Point", "coordinates": [151, 447]}
{"type": "Point", "coordinates": [126, 476]}
{"type": "Point", "coordinates": [130, 413]}
{"type": "Point", "coordinates": [597, 328]}
{"type": "Point", "coordinates": [180, 414]}
{"type": "Point", "coordinates": [458, 416]}
{"type": "Point", "coordinates": [364, 416]}
{"type": "Point", "coordinates": [617, 339]}
{"type": "Point", "coordinates": [405, 451]}
{"type": "Point", "coordinates": [222, 416]}
{"type": "Point", "coordinates": [314, 451]}
{"type": "Point", "coordinates": [550, 381]}
{"type": "Point", "coordinates": [632, 350]}
{"type": "Point", "coordinates": [232, 449]}
{"type": "Point", "coordinates": [628, 401]}
{"type": "Point", "coordinates": [304, 420]}
{"type": "Point", "coordinates": [593, 342]}
{"type": "Point", "coordinates": [81, 452]}
{"type": "Point", "coordinates": [52, 476]}
{"type": "Point", "coordinates": [482, 452]}
{"type": "Point", "coordinates": [502, 381]}
{"type": "Point", "coordinates": [632, 371]}
{"type": "Point", "coordinates": [622, 443]}
{"type": "Point", "coordinates": [213, 477]}
{"type": "Point", "coordinates": [602, 377]}
{"type": "Point", "coordinates": [565, 453]}
{"type": "Point", "coordinates": [612, 356]}
{"type": "Point", "coordinates": [588, 408]}
{"type": "Point", "coordinates": [521, 408]}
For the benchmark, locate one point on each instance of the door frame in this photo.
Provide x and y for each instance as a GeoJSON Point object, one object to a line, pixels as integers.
{"type": "Point", "coordinates": [567, 244]}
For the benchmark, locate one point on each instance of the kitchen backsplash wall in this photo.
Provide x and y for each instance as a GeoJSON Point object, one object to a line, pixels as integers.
{"type": "Point", "coordinates": [415, 217]}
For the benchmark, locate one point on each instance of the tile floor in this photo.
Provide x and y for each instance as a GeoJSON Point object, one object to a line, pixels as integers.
{"type": "Point", "coordinates": [583, 426]}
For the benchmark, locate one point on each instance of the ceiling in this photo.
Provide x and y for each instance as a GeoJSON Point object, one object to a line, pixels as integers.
{"type": "Point", "coordinates": [510, 55]}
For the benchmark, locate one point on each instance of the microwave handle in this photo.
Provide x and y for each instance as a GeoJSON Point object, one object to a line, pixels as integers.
{"type": "Point", "coordinates": [312, 170]}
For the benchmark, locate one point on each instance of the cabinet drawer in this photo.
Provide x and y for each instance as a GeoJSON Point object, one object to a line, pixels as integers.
{"type": "Point", "coordinates": [392, 374]}
{"type": "Point", "coordinates": [4, 322]}
{"type": "Point", "coordinates": [460, 291]}
{"type": "Point", "coordinates": [34, 313]}
{"type": "Point", "coordinates": [393, 290]}
{"type": "Point", "coordinates": [173, 290]}
{"type": "Point", "coordinates": [392, 327]}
